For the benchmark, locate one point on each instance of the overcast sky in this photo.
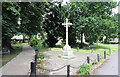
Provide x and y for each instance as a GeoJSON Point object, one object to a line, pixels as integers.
{"type": "Point", "coordinates": [115, 10]}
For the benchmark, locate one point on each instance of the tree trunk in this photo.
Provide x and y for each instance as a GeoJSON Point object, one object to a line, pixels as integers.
{"type": "Point", "coordinates": [106, 40]}
{"type": "Point", "coordinates": [29, 39]}
{"type": "Point", "coordinates": [9, 46]}
{"type": "Point", "coordinates": [23, 39]}
{"type": "Point", "coordinates": [7, 43]}
{"type": "Point", "coordinates": [72, 40]}
{"type": "Point", "coordinates": [51, 41]}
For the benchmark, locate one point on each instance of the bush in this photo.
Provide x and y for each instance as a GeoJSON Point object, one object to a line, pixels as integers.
{"type": "Point", "coordinates": [14, 41]}
{"type": "Point", "coordinates": [85, 69]}
{"type": "Point", "coordinates": [113, 42]}
{"type": "Point", "coordinates": [34, 42]}
{"type": "Point", "coordinates": [46, 45]}
{"type": "Point", "coordinates": [94, 62]}
{"type": "Point", "coordinates": [5, 49]}
{"type": "Point", "coordinates": [35, 48]}
{"type": "Point", "coordinates": [40, 45]}
{"type": "Point", "coordinates": [40, 55]}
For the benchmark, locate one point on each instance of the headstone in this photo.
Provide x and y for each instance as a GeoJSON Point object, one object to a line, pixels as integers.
{"type": "Point", "coordinates": [97, 42]}
{"type": "Point", "coordinates": [50, 48]}
{"type": "Point", "coordinates": [109, 51]}
{"type": "Point", "coordinates": [83, 38]}
{"type": "Point", "coordinates": [104, 38]}
{"type": "Point", "coordinates": [59, 41]}
{"type": "Point", "coordinates": [115, 40]}
{"type": "Point", "coordinates": [38, 36]}
{"type": "Point", "coordinates": [92, 51]}
{"type": "Point", "coordinates": [78, 49]}
{"type": "Point", "coordinates": [8, 51]}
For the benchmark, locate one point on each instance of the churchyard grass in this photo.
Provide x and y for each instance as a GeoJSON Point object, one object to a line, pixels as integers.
{"type": "Point", "coordinates": [96, 48]}
{"type": "Point", "coordinates": [7, 57]}
{"type": "Point", "coordinates": [18, 44]}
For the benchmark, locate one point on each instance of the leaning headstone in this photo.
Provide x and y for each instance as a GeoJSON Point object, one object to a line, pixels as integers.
{"type": "Point", "coordinates": [78, 49]}
{"type": "Point", "coordinates": [83, 38]}
{"type": "Point", "coordinates": [50, 48]}
{"type": "Point", "coordinates": [8, 51]}
{"type": "Point", "coordinates": [104, 38]}
{"type": "Point", "coordinates": [89, 47]}
{"type": "Point", "coordinates": [92, 51]}
{"type": "Point", "coordinates": [97, 42]}
{"type": "Point", "coordinates": [109, 51]}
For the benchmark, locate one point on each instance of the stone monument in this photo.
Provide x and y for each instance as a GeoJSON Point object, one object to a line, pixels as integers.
{"type": "Point", "coordinates": [67, 52]}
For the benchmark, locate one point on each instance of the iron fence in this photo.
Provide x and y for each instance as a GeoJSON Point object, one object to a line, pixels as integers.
{"type": "Point", "coordinates": [32, 72]}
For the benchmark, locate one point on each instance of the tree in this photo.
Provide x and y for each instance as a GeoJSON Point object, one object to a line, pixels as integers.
{"type": "Point", "coordinates": [10, 12]}
{"type": "Point", "coordinates": [85, 19]}
{"type": "Point", "coordinates": [53, 23]}
{"type": "Point", "coordinates": [88, 20]}
{"type": "Point", "coordinates": [111, 28]}
{"type": "Point", "coordinates": [30, 16]}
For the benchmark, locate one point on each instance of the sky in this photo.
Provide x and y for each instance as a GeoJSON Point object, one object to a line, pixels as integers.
{"type": "Point", "coordinates": [115, 10]}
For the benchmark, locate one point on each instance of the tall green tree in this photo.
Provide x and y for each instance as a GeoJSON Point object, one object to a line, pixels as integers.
{"type": "Point", "coordinates": [28, 13]}
{"type": "Point", "coordinates": [10, 12]}
{"type": "Point", "coordinates": [31, 17]}
{"type": "Point", "coordinates": [53, 23]}
{"type": "Point", "coordinates": [85, 19]}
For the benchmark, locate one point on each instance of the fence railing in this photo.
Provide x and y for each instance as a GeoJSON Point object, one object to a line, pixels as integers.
{"type": "Point", "coordinates": [33, 65]}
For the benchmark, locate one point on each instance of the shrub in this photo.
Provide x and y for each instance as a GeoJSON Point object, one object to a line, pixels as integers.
{"type": "Point", "coordinates": [40, 55]}
{"type": "Point", "coordinates": [34, 42]}
{"type": "Point", "coordinates": [40, 45]}
{"type": "Point", "coordinates": [5, 49]}
{"type": "Point", "coordinates": [14, 40]}
{"type": "Point", "coordinates": [46, 45]}
{"type": "Point", "coordinates": [94, 62]}
{"type": "Point", "coordinates": [85, 69]}
{"type": "Point", "coordinates": [35, 48]}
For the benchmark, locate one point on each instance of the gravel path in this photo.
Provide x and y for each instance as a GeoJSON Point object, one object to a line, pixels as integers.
{"type": "Point", "coordinates": [20, 65]}
{"type": "Point", "coordinates": [110, 67]}
{"type": "Point", "coordinates": [54, 62]}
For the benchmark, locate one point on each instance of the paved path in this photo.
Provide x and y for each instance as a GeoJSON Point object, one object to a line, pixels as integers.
{"type": "Point", "coordinates": [54, 62]}
{"type": "Point", "coordinates": [110, 67]}
{"type": "Point", "coordinates": [21, 64]}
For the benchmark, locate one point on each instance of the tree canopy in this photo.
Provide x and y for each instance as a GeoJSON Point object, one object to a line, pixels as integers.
{"type": "Point", "coordinates": [38, 17]}
{"type": "Point", "coordinates": [94, 21]}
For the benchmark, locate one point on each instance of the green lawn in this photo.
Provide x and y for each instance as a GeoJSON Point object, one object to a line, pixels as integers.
{"type": "Point", "coordinates": [99, 48]}
{"type": "Point", "coordinates": [7, 57]}
{"type": "Point", "coordinates": [96, 48]}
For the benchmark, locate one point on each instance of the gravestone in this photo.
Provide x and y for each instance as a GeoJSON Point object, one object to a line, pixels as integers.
{"type": "Point", "coordinates": [83, 38]}
{"type": "Point", "coordinates": [104, 38]}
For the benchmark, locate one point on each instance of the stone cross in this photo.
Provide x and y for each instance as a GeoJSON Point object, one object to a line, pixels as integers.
{"type": "Point", "coordinates": [67, 24]}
